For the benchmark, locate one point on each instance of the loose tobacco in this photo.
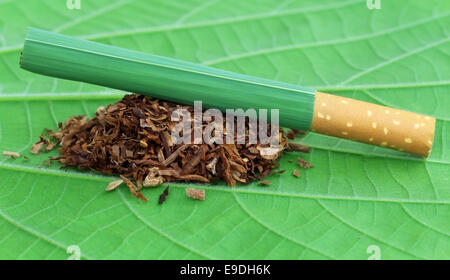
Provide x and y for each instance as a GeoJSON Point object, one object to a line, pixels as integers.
{"type": "Point", "coordinates": [195, 193]}
{"type": "Point", "coordinates": [163, 196]}
{"type": "Point", "coordinates": [132, 138]}
{"type": "Point", "coordinates": [12, 155]}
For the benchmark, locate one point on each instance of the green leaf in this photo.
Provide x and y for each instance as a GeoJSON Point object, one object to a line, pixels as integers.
{"type": "Point", "coordinates": [356, 197]}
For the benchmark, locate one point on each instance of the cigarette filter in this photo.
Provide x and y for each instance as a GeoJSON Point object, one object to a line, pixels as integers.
{"type": "Point", "coordinates": [373, 124]}
{"type": "Point", "coordinates": [184, 82]}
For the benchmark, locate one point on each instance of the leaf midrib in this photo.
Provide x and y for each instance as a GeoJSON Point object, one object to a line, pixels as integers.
{"type": "Point", "coordinates": [243, 189]}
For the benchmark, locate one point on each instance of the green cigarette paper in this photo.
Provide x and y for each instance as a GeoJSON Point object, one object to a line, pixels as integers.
{"type": "Point", "coordinates": [170, 79]}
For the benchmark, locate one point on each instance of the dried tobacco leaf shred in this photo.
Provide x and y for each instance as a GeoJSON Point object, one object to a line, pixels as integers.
{"type": "Point", "coordinates": [113, 185]}
{"type": "Point", "coordinates": [195, 193]}
{"type": "Point", "coordinates": [296, 173]}
{"type": "Point", "coordinates": [132, 138]}
{"type": "Point", "coordinates": [303, 163]}
{"type": "Point", "coordinates": [13, 155]}
{"type": "Point", "coordinates": [133, 189]}
{"type": "Point", "coordinates": [163, 196]}
{"type": "Point", "coordinates": [294, 147]}
{"type": "Point", "coordinates": [264, 182]}
{"type": "Point", "coordinates": [37, 147]}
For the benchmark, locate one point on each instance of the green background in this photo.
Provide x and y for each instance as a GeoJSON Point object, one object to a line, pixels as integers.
{"type": "Point", "coordinates": [357, 198]}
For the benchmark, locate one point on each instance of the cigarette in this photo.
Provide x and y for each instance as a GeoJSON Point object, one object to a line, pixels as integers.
{"type": "Point", "coordinates": [373, 124]}
{"type": "Point", "coordinates": [184, 82]}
